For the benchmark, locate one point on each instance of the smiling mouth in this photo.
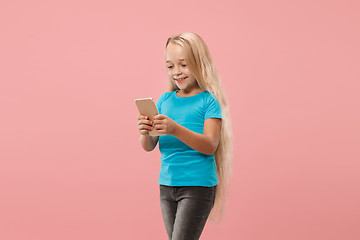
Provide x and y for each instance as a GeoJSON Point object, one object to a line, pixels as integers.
{"type": "Point", "coordinates": [180, 80]}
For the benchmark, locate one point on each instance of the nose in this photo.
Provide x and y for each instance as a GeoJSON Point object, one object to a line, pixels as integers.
{"type": "Point", "coordinates": [177, 70]}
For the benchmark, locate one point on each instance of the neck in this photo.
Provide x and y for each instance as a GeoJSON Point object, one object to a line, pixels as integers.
{"type": "Point", "coordinates": [184, 93]}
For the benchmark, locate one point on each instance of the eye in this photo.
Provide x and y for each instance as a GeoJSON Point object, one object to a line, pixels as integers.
{"type": "Point", "coordinates": [184, 65]}
{"type": "Point", "coordinates": [169, 66]}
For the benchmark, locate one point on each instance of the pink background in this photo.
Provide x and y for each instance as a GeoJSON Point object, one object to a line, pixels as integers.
{"type": "Point", "coordinates": [71, 166]}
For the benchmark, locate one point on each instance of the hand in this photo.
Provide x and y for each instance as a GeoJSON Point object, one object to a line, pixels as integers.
{"type": "Point", "coordinates": [164, 125]}
{"type": "Point", "coordinates": [144, 125]}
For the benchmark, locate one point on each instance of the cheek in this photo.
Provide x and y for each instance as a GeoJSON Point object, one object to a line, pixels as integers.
{"type": "Point", "coordinates": [188, 73]}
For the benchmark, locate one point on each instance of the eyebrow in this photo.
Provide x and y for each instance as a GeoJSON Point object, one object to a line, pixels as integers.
{"type": "Point", "coordinates": [181, 59]}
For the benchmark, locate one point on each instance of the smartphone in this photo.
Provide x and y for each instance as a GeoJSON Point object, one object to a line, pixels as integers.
{"type": "Point", "coordinates": [147, 107]}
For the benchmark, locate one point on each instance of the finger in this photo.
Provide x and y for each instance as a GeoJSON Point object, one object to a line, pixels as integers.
{"type": "Point", "coordinates": [161, 131]}
{"type": "Point", "coordinates": [146, 127]}
{"type": "Point", "coordinates": [159, 127]}
{"type": "Point", "coordinates": [141, 116]}
{"type": "Point", "coordinates": [157, 122]}
{"type": "Point", "coordinates": [159, 116]}
{"type": "Point", "coordinates": [144, 132]}
{"type": "Point", "coordinates": [146, 122]}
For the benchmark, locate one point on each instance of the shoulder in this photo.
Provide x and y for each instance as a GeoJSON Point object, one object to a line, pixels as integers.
{"type": "Point", "coordinates": [210, 99]}
{"type": "Point", "coordinates": [212, 107]}
{"type": "Point", "coordinates": [163, 97]}
{"type": "Point", "coordinates": [208, 95]}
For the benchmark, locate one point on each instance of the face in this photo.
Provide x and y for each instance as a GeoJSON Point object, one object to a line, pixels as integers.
{"type": "Point", "coordinates": [177, 69]}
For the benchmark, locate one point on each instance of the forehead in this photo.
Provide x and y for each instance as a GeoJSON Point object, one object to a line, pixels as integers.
{"type": "Point", "coordinates": [174, 52]}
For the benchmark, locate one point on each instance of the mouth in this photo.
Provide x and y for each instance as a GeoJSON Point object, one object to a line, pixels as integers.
{"type": "Point", "coordinates": [180, 80]}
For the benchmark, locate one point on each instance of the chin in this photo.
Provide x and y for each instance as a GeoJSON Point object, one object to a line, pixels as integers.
{"type": "Point", "coordinates": [179, 87]}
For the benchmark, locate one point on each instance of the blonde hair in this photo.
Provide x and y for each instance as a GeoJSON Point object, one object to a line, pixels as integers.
{"type": "Point", "coordinates": [202, 67]}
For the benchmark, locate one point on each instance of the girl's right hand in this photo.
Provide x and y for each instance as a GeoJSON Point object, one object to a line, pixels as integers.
{"type": "Point", "coordinates": [144, 125]}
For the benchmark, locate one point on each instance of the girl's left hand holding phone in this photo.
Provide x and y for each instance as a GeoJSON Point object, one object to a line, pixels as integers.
{"type": "Point", "coordinates": [164, 125]}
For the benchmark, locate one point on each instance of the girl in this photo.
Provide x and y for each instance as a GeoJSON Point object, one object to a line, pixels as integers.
{"type": "Point", "coordinates": [195, 141]}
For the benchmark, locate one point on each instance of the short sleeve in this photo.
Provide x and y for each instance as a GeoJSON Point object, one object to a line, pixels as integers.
{"type": "Point", "coordinates": [213, 109]}
{"type": "Point", "coordinates": [159, 102]}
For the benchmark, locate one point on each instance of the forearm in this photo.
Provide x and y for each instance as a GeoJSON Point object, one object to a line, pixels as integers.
{"type": "Point", "coordinates": [199, 142]}
{"type": "Point", "coordinates": [148, 142]}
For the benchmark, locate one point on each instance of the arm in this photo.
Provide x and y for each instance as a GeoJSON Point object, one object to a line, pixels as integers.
{"type": "Point", "coordinates": [148, 142]}
{"type": "Point", "coordinates": [205, 143]}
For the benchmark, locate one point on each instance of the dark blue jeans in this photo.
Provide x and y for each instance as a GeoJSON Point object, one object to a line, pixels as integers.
{"type": "Point", "coordinates": [185, 210]}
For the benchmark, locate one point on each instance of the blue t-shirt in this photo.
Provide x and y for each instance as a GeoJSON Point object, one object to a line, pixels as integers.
{"type": "Point", "coordinates": [180, 164]}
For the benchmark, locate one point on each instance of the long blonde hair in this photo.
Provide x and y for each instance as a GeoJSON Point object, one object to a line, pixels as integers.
{"type": "Point", "coordinates": [202, 67]}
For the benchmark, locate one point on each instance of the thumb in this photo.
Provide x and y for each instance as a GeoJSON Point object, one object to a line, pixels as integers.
{"type": "Point", "coordinates": [159, 117]}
